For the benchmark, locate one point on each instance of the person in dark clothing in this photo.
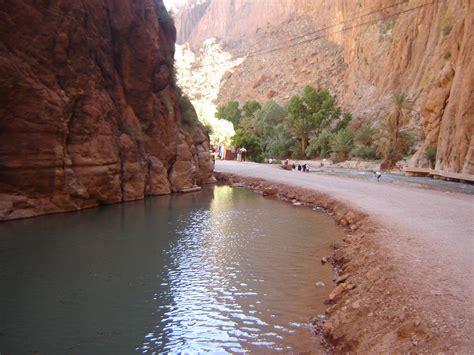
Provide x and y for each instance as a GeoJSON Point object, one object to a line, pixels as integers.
{"type": "Point", "coordinates": [299, 167]}
{"type": "Point", "coordinates": [304, 168]}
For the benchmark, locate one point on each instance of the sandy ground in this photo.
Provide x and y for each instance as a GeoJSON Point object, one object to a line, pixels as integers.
{"type": "Point", "coordinates": [429, 235]}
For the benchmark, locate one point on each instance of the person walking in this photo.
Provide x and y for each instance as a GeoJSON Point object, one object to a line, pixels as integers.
{"type": "Point", "coordinates": [378, 175]}
{"type": "Point", "coordinates": [243, 153]}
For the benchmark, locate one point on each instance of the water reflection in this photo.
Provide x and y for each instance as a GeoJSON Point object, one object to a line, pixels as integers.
{"type": "Point", "coordinates": [222, 270]}
{"type": "Point", "coordinates": [238, 280]}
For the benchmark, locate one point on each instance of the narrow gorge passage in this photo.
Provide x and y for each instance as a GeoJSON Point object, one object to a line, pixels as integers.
{"type": "Point", "coordinates": [228, 176]}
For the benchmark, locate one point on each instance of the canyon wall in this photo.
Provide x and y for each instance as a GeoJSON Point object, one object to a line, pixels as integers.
{"type": "Point", "coordinates": [90, 113]}
{"type": "Point", "coordinates": [363, 51]}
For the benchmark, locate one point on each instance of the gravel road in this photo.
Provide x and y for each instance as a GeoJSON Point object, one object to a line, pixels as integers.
{"type": "Point", "coordinates": [429, 231]}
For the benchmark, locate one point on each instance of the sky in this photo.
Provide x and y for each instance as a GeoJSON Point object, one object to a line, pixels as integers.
{"type": "Point", "coordinates": [170, 3]}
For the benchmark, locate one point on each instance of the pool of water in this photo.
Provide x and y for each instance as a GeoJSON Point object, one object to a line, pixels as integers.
{"type": "Point", "coordinates": [221, 270]}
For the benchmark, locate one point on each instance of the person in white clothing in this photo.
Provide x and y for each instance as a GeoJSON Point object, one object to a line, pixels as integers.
{"type": "Point", "coordinates": [378, 175]}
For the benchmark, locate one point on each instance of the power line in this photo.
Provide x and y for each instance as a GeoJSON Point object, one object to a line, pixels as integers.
{"type": "Point", "coordinates": [350, 19]}
{"type": "Point", "coordinates": [290, 45]}
{"type": "Point", "coordinates": [343, 30]}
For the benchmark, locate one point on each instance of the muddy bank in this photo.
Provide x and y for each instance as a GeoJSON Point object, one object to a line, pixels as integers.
{"type": "Point", "coordinates": [372, 307]}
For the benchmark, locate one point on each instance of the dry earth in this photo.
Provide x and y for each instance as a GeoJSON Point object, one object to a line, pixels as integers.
{"type": "Point", "coordinates": [406, 262]}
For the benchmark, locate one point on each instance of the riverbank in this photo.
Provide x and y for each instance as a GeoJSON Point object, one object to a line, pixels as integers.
{"type": "Point", "coordinates": [395, 292]}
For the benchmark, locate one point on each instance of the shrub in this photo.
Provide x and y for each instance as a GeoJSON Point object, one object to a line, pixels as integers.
{"type": "Point", "coordinates": [386, 26]}
{"type": "Point", "coordinates": [366, 153]}
{"type": "Point", "coordinates": [394, 150]}
{"type": "Point", "coordinates": [188, 112]}
{"type": "Point", "coordinates": [364, 139]}
{"type": "Point", "coordinates": [365, 135]}
{"type": "Point", "coordinates": [341, 144]}
{"type": "Point", "coordinates": [446, 23]}
{"type": "Point", "coordinates": [430, 155]}
{"type": "Point", "coordinates": [209, 128]}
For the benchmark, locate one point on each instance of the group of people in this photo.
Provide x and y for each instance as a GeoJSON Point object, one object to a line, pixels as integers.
{"type": "Point", "coordinates": [222, 153]}
{"type": "Point", "coordinates": [300, 167]}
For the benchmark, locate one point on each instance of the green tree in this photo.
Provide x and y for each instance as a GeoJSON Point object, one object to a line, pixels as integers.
{"type": "Point", "coordinates": [266, 124]}
{"type": "Point", "coordinates": [268, 120]}
{"type": "Point", "coordinates": [300, 122]}
{"type": "Point", "coordinates": [343, 122]}
{"type": "Point", "coordinates": [276, 139]}
{"type": "Point", "coordinates": [395, 141]}
{"type": "Point", "coordinates": [341, 144]}
{"type": "Point", "coordinates": [315, 111]}
{"type": "Point", "coordinates": [320, 145]}
{"type": "Point", "coordinates": [280, 146]}
{"type": "Point", "coordinates": [250, 107]}
{"type": "Point", "coordinates": [230, 112]}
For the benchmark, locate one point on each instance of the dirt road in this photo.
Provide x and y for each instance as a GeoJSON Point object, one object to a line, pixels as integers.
{"type": "Point", "coordinates": [430, 233]}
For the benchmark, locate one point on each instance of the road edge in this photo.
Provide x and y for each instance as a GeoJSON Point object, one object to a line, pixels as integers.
{"type": "Point", "coordinates": [370, 308]}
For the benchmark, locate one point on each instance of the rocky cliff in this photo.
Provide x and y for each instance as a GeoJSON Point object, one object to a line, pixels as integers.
{"type": "Point", "coordinates": [363, 51]}
{"type": "Point", "coordinates": [90, 113]}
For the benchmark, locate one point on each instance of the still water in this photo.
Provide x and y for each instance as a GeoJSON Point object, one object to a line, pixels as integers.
{"type": "Point", "coordinates": [221, 270]}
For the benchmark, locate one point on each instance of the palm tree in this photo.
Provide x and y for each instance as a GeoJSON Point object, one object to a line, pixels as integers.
{"type": "Point", "coordinates": [399, 117]}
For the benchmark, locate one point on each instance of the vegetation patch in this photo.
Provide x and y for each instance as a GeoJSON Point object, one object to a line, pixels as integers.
{"type": "Point", "coordinates": [188, 113]}
{"type": "Point", "coordinates": [395, 140]}
{"type": "Point", "coordinates": [304, 128]}
{"type": "Point", "coordinates": [446, 23]}
{"type": "Point", "coordinates": [365, 146]}
{"type": "Point", "coordinates": [386, 27]}
{"type": "Point", "coordinates": [341, 144]}
{"type": "Point", "coordinates": [430, 155]}
{"type": "Point", "coordinates": [312, 125]}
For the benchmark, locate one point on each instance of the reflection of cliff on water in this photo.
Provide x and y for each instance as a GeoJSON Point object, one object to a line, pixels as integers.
{"type": "Point", "coordinates": [221, 269]}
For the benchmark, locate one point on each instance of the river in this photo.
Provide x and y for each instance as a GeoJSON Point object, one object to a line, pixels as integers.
{"type": "Point", "coordinates": [221, 270]}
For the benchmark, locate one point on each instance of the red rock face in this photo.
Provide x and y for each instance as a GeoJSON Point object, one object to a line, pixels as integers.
{"type": "Point", "coordinates": [89, 112]}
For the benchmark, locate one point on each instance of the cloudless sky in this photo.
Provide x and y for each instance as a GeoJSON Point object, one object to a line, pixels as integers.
{"type": "Point", "coordinates": [169, 3]}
